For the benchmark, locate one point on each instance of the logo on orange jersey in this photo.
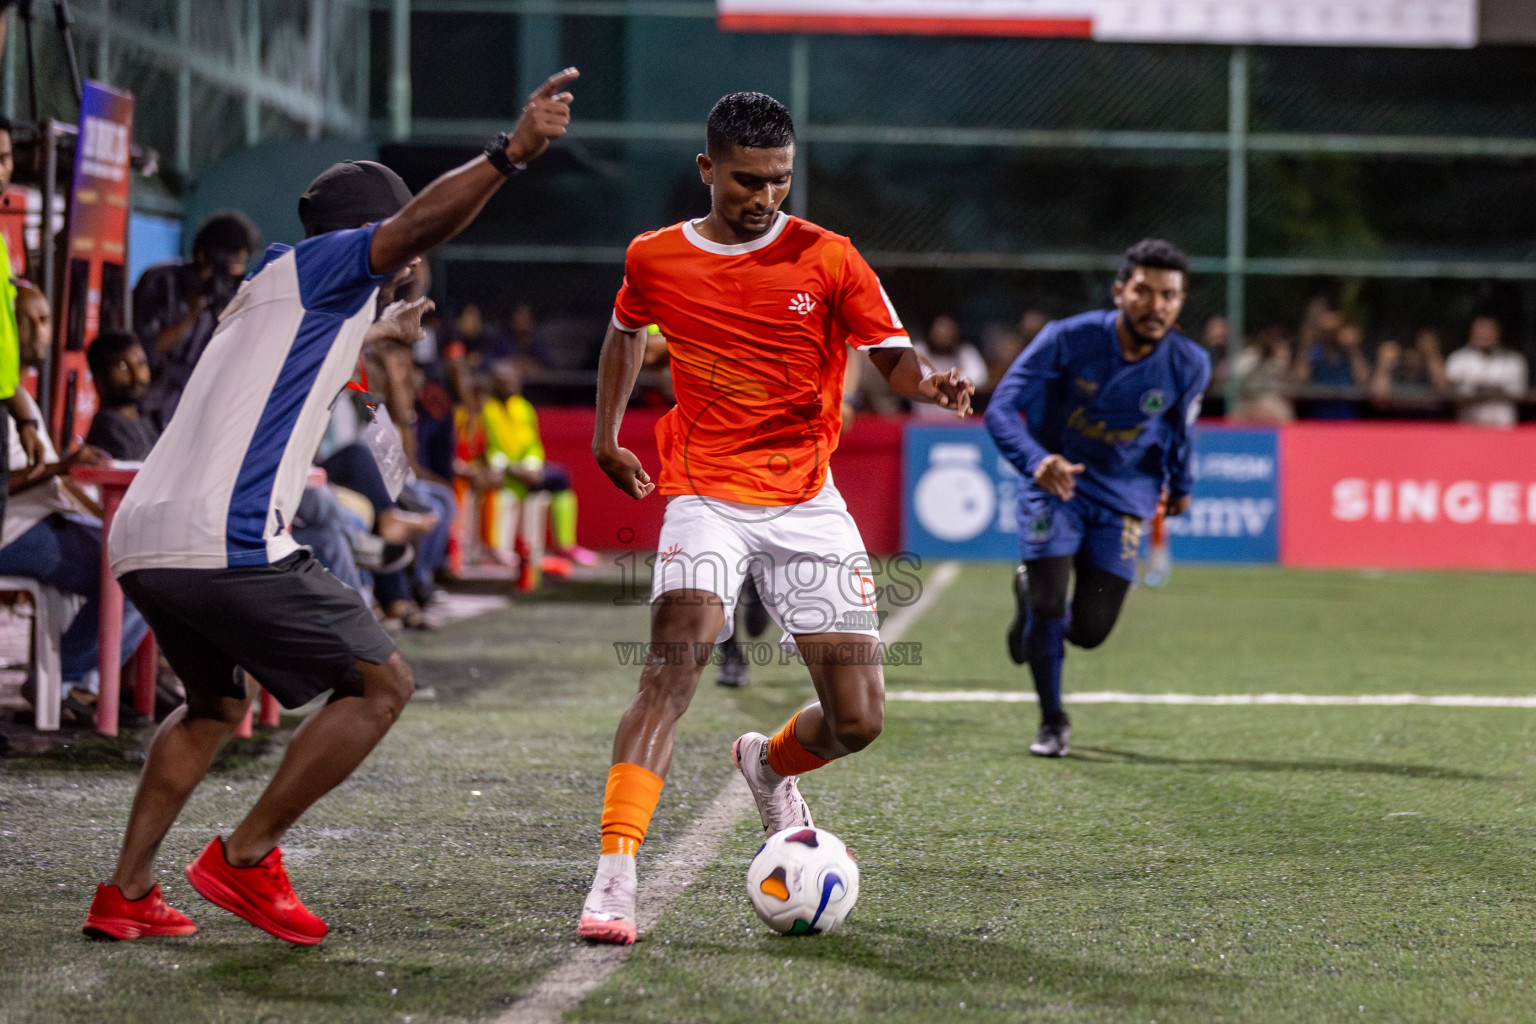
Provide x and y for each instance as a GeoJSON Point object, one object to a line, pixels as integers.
{"type": "Point", "coordinates": [802, 304]}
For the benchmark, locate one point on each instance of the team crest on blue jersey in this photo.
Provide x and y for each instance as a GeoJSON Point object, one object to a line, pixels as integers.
{"type": "Point", "coordinates": [1154, 402]}
{"type": "Point", "coordinates": [1040, 527]}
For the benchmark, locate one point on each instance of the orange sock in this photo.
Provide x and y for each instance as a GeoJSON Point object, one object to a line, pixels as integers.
{"type": "Point", "coordinates": [628, 804]}
{"type": "Point", "coordinates": [787, 757]}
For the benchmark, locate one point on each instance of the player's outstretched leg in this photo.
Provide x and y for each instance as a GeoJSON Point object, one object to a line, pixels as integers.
{"type": "Point", "coordinates": [128, 905]}
{"type": "Point", "coordinates": [244, 874]}
{"type": "Point", "coordinates": [1045, 650]}
{"type": "Point", "coordinates": [684, 626]}
{"type": "Point", "coordinates": [850, 714]}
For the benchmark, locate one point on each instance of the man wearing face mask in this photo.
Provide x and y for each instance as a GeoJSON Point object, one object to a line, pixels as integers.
{"type": "Point", "coordinates": [177, 306]}
{"type": "Point", "coordinates": [1098, 417]}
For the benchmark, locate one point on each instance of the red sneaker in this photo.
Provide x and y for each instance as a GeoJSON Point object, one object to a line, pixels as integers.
{"type": "Point", "coordinates": [114, 916]}
{"type": "Point", "coordinates": [260, 893]}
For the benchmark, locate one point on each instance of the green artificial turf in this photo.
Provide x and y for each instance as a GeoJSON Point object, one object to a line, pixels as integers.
{"type": "Point", "coordinates": [1185, 864]}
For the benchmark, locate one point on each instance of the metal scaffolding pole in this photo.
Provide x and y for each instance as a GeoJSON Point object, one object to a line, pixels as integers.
{"type": "Point", "coordinates": [800, 113]}
{"type": "Point", "coordinates": [1237, 211]}
{"type": "Point", "coordinates": [400, 70]}
{"type": "Point", "coordinates": [184, 89]}
{"type": "Point", "coordinates": [253, 64]}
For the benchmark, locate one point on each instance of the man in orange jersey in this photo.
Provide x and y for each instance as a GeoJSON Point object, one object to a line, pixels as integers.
{"type": "Point", "coordinates": [757, 308]}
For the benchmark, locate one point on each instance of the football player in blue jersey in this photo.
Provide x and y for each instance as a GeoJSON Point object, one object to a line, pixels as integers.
{"type": "Point", "coordinates": [1098, 416]}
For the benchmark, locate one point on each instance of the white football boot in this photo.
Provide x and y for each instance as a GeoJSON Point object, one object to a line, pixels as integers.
{"type": "Point", "coordinates": [779, 802]}
{"type": "Point", "coordinates": [609, 913]}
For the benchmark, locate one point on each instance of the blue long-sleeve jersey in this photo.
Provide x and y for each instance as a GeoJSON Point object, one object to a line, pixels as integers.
{"type": "Point", "coordinates": [1131, 424]}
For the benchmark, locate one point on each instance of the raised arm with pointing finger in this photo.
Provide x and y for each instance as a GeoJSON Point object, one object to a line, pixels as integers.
{"type": "Point", "coordinates": [450, 203]}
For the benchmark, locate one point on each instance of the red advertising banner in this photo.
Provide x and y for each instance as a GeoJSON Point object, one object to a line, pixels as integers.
{"type": "Point", "coordinates": [94, 280]}
{"type": "Point", "coordinates": [1408, 496]}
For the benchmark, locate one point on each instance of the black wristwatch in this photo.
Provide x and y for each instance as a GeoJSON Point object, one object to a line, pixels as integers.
{"type": "Point", "coordinates": [496, 155]}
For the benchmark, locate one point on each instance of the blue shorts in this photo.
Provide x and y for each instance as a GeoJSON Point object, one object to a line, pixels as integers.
{"type": "Point", "coordinates": [1050, 527]}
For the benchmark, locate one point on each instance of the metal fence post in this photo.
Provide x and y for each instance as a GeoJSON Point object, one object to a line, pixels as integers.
{"type": "Point", "coordinates": [400, 70]}
{"type": "Point", "coordinates": [1237, 212]}
{"type": "Point", "coordinates": [800, 113]}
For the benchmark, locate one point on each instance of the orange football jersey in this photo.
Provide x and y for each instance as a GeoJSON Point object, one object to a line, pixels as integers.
{"type": "Point", "coordinates": [756, 337]}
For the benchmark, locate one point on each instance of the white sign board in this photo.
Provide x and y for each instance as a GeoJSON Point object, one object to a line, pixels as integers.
{"type": "Point", "coordinates": [1447, 23]}
{"type": "Point", "coordinates": [1291, 23]}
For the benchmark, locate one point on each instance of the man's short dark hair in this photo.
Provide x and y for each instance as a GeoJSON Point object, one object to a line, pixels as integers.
{"type": "Point", "coordinates": [1154, 253]}
{"type": "Point", "coordinates": [5, 125]}
{"type": "Point", "coordinates": [752, 120]}
{"type": "Point", "coordinates": [106, 350]}
{"type": "Point", "coordinates": [227, 231]}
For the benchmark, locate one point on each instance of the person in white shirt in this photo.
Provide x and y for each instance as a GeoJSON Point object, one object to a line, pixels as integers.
{"type": "Point", "coordinates": [202, 542]}
{"type": "Point", "coordinates": [1486, 378]}
{"type": "Point", "coordinates": [946, 350]}
{"type": "Point", "coordinates": [52, 533]}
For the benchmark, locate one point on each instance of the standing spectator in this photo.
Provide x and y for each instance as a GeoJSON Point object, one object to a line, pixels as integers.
{"type": "Point", "coordinates": [11, 395]}
{"type": "Point", "coordinates": [1262, 369]}
{"type": "Point", "coordinates": [1330, 356]}
{"type": "Point", "coordinates": [176, 306]}
{"type": "Point", "coordinates": [120, 371]}
{"type": "Point", "coordinates": [946, 350]}
{"type": "Point", "coordinates": [1485, 377]}
{"type": "Point", "coordinates": [1411, 376]}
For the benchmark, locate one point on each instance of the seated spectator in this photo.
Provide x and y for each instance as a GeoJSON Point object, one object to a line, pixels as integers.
{"type": "Point", "coordinates": [1006, 346]}
{"type": "Point", "coordinates": [1214, 338]}
{"type": "Point", "coordinates": [1262, 369]}
{"type": "Point", "coordinates": [483, 342]}
{"type": "Point", "coordinates": [1485, 377]}
{"type": "Point", "coordinates": [52, 534]}
{"type": "Point", "coordinates": [946, 350]}
{"type": "Point", "coordinates": [1414, 375]}
{"type": "Point", "coordinates": [529, 347]}
{"type": "Point", "coordinates": [515, 455]}
{"type": "Point", "coordinates": [398, 521]}
{"type": "Point", "coordinates": [176, 306]}
{"type": "Point", "coordinates": [120, 371]}
{"type": "Point", "coordinates": [1330, 356]}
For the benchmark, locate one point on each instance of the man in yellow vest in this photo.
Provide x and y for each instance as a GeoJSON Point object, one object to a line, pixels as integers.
{"type": "Point", "coordinates": [515, 450]}
{"type": "Point", "coordinates": [10, 351]}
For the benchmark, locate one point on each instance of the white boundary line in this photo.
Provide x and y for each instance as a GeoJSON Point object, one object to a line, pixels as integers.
{"type": "Point", "coordinates": [1216, 700]}
{"type": "Point", "coordinates": [588, 966]}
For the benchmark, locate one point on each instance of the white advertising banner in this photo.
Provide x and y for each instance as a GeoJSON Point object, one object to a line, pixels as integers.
{"type": "Point", "coordinates": [1429, 23]}
{"type": "Point", "coordinates": [1440, 23]}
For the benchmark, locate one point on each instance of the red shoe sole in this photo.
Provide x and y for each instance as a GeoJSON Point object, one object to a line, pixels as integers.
{"type": "Point", "coordinates": [221, 895]}
{"type": "Point", "coordinates": [125, 929]}
{"type": "Point", "coordinates": [616, 933]}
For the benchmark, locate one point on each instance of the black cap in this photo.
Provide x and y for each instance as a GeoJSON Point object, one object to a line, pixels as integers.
{"type": "Point", "coordinates": [351, 194]}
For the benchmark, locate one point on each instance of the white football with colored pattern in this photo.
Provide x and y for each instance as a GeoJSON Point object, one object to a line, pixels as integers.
{"type": "Point", "coordinates": [803, 881]}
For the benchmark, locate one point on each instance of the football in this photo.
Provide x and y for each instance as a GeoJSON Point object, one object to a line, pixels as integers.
{"type": "Point", "coordinates": [803, 881]}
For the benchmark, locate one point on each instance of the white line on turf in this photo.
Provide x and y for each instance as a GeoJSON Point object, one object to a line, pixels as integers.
{"type": "Point", "coordinates": [1216, 699]}
{"type": "Point", "coordinates": [587, 967]}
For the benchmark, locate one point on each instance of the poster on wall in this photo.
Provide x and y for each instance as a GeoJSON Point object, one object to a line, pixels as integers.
{"type": "Point", "coordinates": [93, 284]}
{"type": "Point", "coordinates": [1427, 23]}
{"type": "Point", "coordinates": [960, 497]}
{"type": "Point", "coordinates": [1409, 496]}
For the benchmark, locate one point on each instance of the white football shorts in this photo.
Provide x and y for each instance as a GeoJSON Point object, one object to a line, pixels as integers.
{"type": "Point", "coordinates": [807, 560]}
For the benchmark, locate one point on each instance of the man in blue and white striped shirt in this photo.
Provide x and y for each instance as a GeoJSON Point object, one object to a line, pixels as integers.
{"type": "Point", "coordinates": [202, 543]}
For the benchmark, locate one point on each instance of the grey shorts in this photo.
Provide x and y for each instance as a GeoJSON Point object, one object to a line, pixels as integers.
{"type": "Point", "coordinates": [295, 628]}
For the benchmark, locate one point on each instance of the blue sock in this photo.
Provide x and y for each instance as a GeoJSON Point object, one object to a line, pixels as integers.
{"type": "Point", "coordinates": [1045, 647]}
